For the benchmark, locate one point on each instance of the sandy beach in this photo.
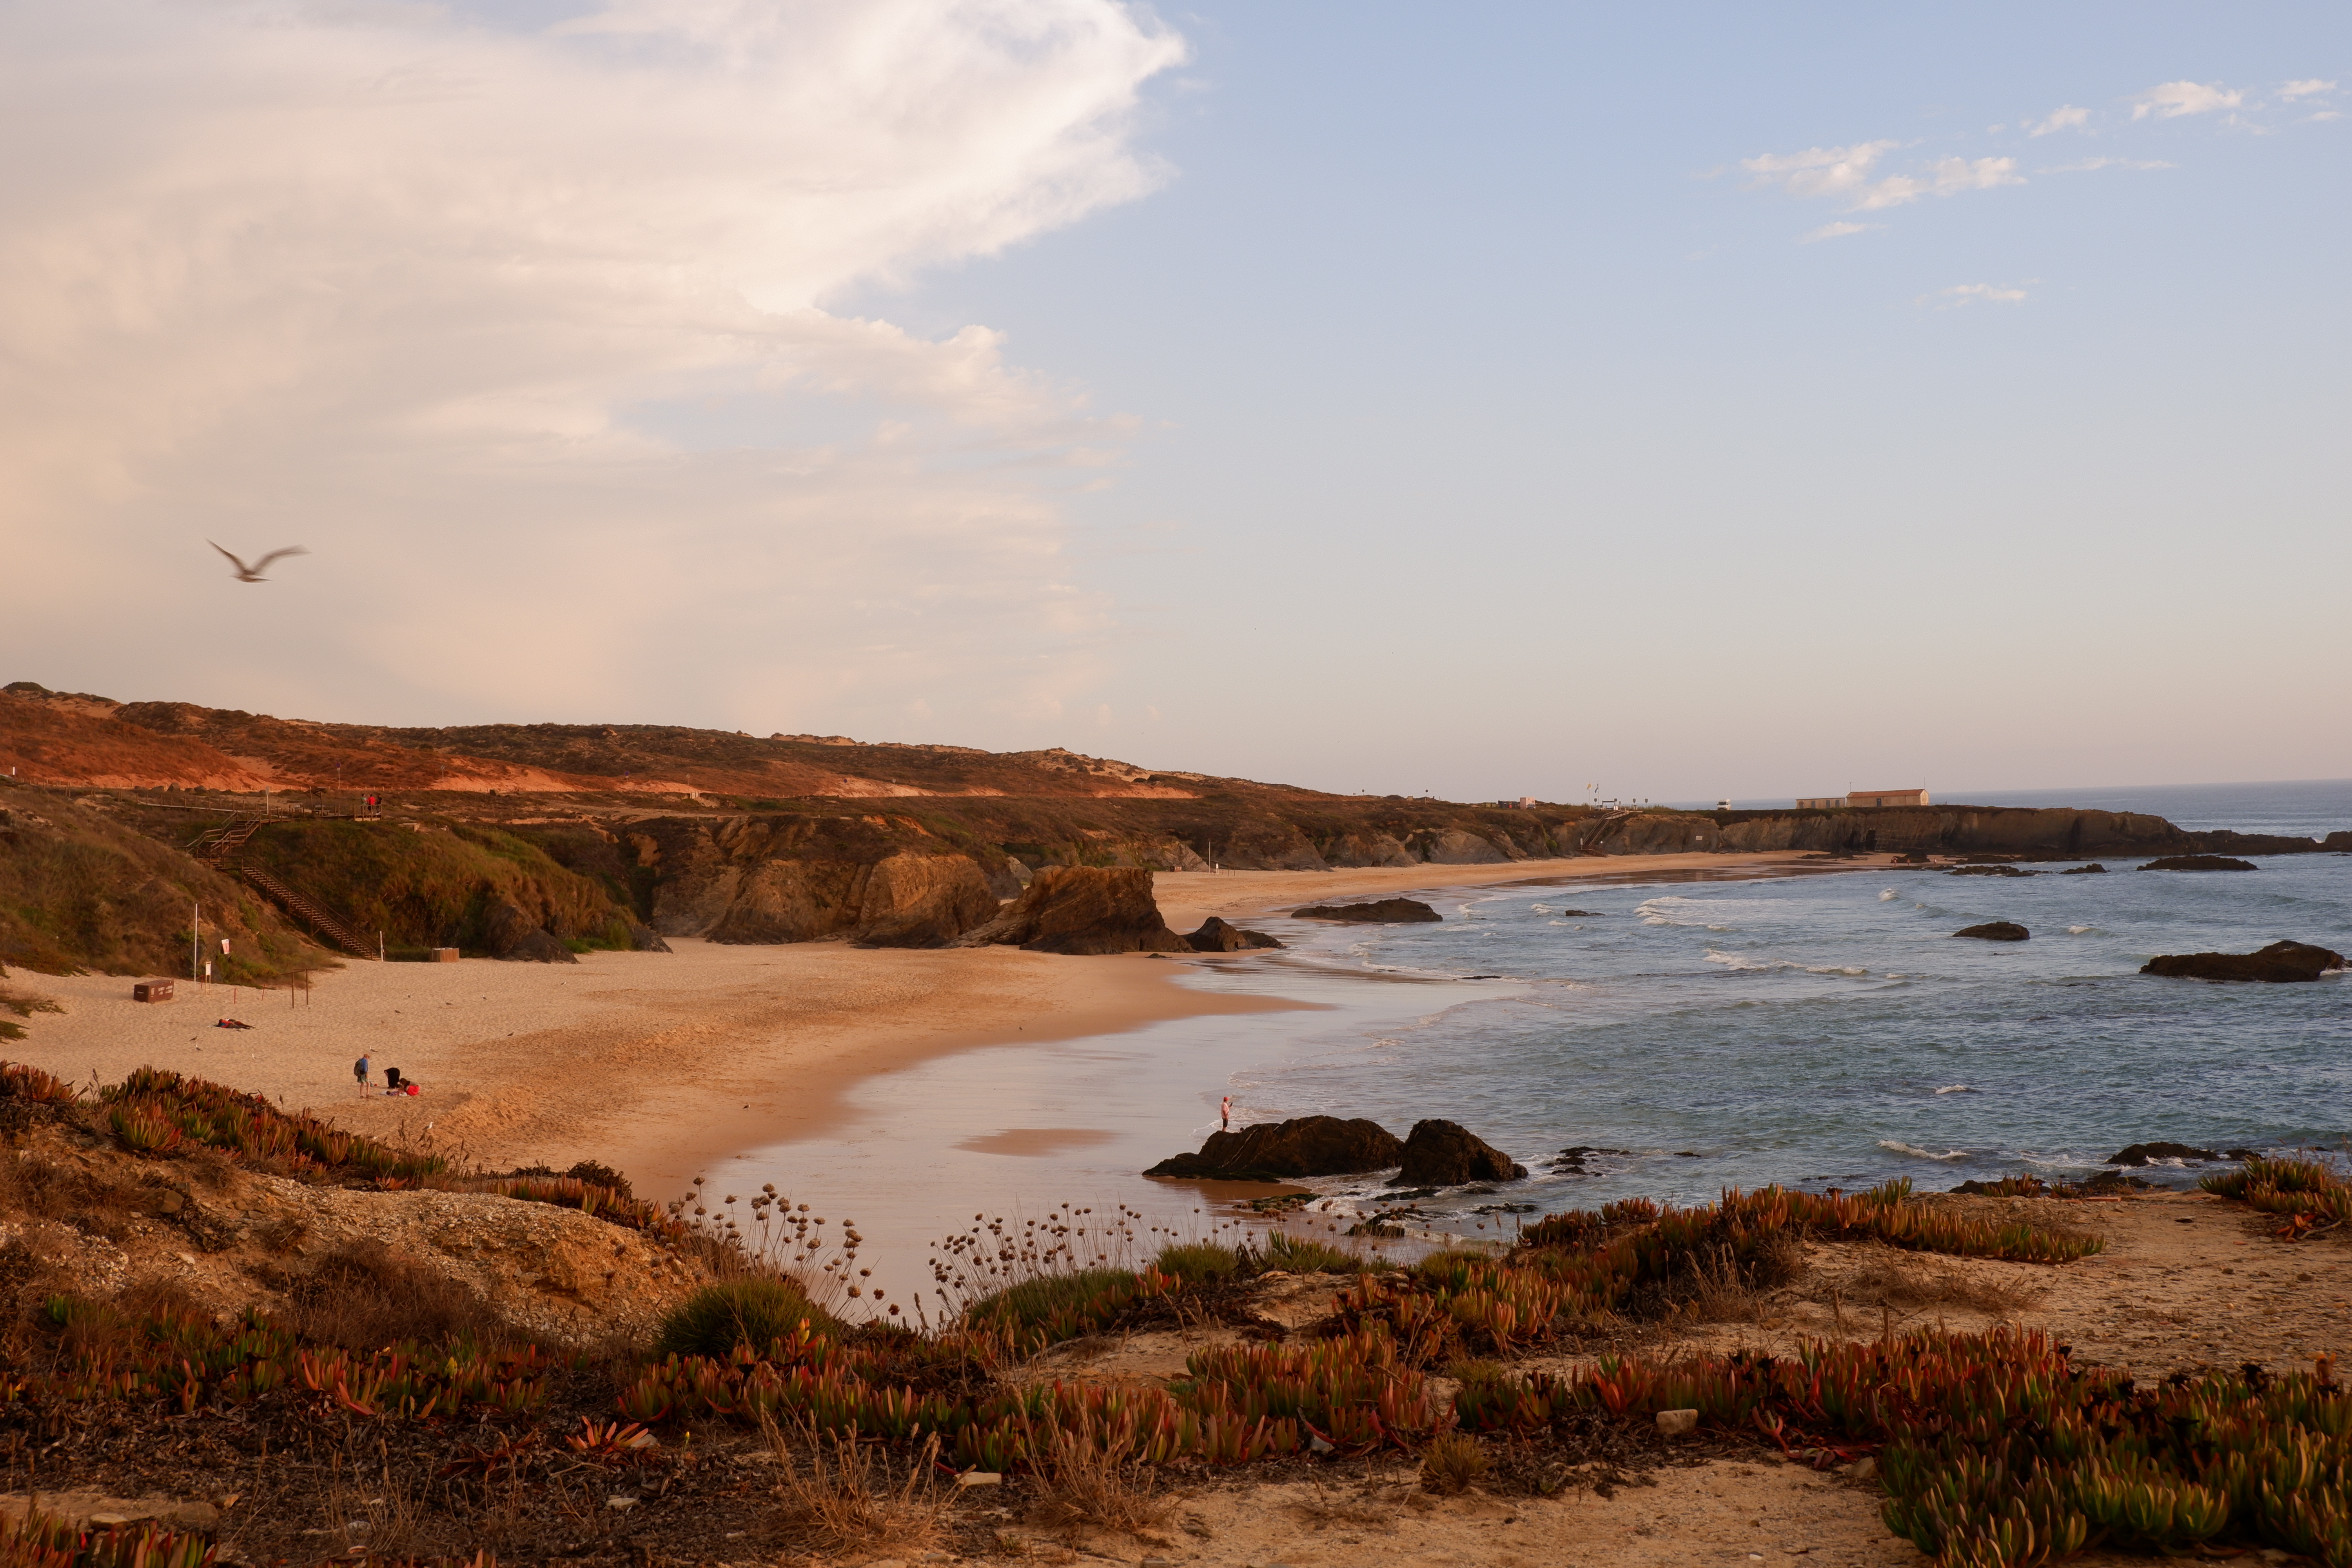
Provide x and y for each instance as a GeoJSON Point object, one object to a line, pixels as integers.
{"type": "Point", "coordinates": [662, 1065]}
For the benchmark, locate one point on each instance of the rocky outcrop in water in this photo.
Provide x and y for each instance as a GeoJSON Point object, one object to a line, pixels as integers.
{"type": "Point", "coordinates": [2197, 863]}
{"type": "Point", "coordinates": [1217, 935]}
{"type": "Point", "coordinates": [2093, 869]}
{"type": "Point", "coordinates": [1447, 1154]}
{"type": "Point", "coordinates": [1082, 909]}
{"type": "Point", "coordinates": [2149, 1153]}
{"type": "Point", "coordinates": [1996, 930]}
{"type": "Point", "coordinates": [1281, 1150]}
{"type": "Point", "coordinates": [2280, 962]}
{"type": "Point", "coordinates": [1990, 871]}
{"type": "Point", "coordinates": [1387, 911]}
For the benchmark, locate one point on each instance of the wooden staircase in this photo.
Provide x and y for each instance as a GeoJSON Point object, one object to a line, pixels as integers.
{"type": "Point", "coordinates": [219, 846]}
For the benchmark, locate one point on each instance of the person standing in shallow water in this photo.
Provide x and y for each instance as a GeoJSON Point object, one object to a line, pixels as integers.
{"type": "Point", "coordinates": [1225, 1114]}
{"type": "Point", "coordinates": [360, 1071]}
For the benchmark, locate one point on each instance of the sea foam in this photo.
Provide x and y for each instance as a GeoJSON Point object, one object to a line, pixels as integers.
{"type": "Point", "coordinates": [1897, 1146]}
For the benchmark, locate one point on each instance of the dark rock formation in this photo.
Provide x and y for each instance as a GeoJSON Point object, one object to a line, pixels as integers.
{"type": "Point", "coordinates": [1217, 936]}
{"type": "Point", "coordinates": [1279, 1150]}
{"type": "Point", "coordinates": [1990, 871]}
{"type": "Point", "coordinates": [1446, 1154]}
{"type": "Point", "coordinates": [2093, 868]}
{"type": "Point", "coordinates": [1082, 909]}
{"type": "Point", "coordinates": [1585, 914]}
{"type": "Point", "coordinates": [1575, 1160]}
{"type": "Point", "coordinates": [2282, 961]}
{"type": "Point", "coordinates": [2149, 1153]}
{"type": "Point", "coordinates": [645, 939]}
{"type": "Point", "coordinates": [509, 933]}
{"type": "Point", "coordinates": [1997, 930]}
{"type": "Point", "coordinates": [2197, 863]}
{"type": "Point", "coordinates": [1391, 912]}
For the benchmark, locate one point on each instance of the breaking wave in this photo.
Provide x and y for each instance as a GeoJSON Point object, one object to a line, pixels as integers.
{"type": "Point", "coordinates": [1896, 1145]}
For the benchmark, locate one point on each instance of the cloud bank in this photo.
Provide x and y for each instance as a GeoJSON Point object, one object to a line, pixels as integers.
{"type": "Point", "coordinates": [525, 337]}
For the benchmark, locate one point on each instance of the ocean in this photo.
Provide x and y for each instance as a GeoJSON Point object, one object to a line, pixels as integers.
{"type": "Point", "coordinates": [1691, 1033]}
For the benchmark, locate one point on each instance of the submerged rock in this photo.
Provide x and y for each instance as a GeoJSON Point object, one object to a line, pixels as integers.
{"type": "Point", "coordinates": [2093, 868]}
{"type": "Point", "coordinates": [2199, 863]}
{"type": "Point", "coordinates": [1218, 936]}
{"type": "Point", "coordinates": [1389, 911]}
{"type": "Point", "coordinates": [2280, 962]}
{"type": "Point", "coordinates": [1447, 1154]}
{"type": "Point", "coordinates": [1279, 1150]}
{"type": "Point", "coordinates": [1996, 930]}
{"type": "Point", "coordinates": [1990, 871]}
{"type": "Point", "coordinates": [2149, 1153]}
{"type": "Point", "coordinates": [1082, 909]}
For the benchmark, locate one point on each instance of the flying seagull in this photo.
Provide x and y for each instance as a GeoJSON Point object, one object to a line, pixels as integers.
{"type": "Point", "coordinates": [253, 573]}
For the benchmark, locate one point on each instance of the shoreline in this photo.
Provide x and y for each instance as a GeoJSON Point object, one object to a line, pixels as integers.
{"type": "Point", "coordinates": [665, 1066]}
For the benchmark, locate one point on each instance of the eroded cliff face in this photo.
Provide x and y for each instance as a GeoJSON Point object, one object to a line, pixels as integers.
{"type": "Point", "coordinates": [883, 882]}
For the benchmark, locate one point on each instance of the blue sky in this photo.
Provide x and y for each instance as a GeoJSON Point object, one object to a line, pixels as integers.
{"type": "Point", "coordinates": [1512, 399]}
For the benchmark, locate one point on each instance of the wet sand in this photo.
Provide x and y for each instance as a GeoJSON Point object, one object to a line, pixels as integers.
{"type": "Point", "coordinates": [657, 1064]}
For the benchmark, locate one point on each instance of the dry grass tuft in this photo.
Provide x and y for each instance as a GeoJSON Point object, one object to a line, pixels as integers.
{"type": "Point", "coordinates": [838, 1498]}
{"type": "Point", "coordinates": [1451, 1463]}
{"type": "Point", "coordinates": [1084, 1487]}
{"type": "Point", "coordinates": [362, 1298]}
{"type": "Point", "coordinates": [1909, 1282]}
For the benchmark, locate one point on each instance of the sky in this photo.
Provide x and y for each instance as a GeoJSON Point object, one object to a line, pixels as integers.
{"type": "Point", "coordinates": [1664, 401]}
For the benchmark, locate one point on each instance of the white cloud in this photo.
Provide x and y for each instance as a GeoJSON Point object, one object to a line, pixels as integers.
{"type": "Point", "coordinates": [2325, 114]}
{"type": "Point", "coordinates": [1845, 173]}
{"type": "Point", "coordinates": [1960, 294]}
{"type": "Point", "coordinates": [2065, 118]}
{"type": "Point", "coordinates": [2174, 98]}
{"type": "Point", "coordinates": [1838, 231]}
{"type": "Point", "coordinates": [1819, 171]}
{"type": "Point", "coordinates": [415, 291]}
{"type": "Point", "coordinates": [2310, 87]}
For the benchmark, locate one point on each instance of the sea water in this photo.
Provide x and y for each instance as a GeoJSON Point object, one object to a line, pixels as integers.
{"type": "Point", "coordinates": [1694, 1032]}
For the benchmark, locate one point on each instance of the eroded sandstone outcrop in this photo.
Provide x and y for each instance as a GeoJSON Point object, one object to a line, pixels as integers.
{"type": "Point", "coordinates": [1217, 935]}
{"type": "Point", "coordinates": [1386, 911]}
{"type": "Point", "coordinates": [2280, 962]}
{"type": "Point", "coordinates": [1082, 909]}
{"type": "Point", "coordinates": [511, 934]}
{"type": "Point", "coordinates": [1447, 1154]}
{"type": "Point", "coordinates": [1281, 1150]}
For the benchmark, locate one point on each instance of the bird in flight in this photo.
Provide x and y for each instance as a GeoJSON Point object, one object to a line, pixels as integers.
{"type": "Point", "coordinates": [253, 573]}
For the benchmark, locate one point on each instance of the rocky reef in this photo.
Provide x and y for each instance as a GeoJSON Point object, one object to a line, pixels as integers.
{"type": "Point", "coordinates": [2197, 863]}
{"type": "Point", "coordinates": [1447, 1154]}
{"type": "Point", "coordinates": [1385, 911]}
{"type": "Point", "coordinates": [1217, 935]}
{"type": "Point", "coordinates": [1996, 930]}
{"type": "Point", "coordinates": [1281, 1150]}
{"type": "Point", "coordinates": [2281, 962]}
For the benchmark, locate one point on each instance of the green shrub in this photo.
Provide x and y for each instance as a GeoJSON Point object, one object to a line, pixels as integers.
{"type": "Point", "coordinates": [1196, 1261]}
{"type": "Point", "coordinates": [1299, 1255]}
{"type": "Point", "coordinates": [717, 1317]}
{"type": "Point", "coordinates": [1035, 1303]}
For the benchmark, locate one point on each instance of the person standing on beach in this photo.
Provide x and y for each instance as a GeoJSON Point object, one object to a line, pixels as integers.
{"type": "Point", "coordinates": [1225, 1114]}
{"type": "Point", "coordinates": [360, 1071]}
